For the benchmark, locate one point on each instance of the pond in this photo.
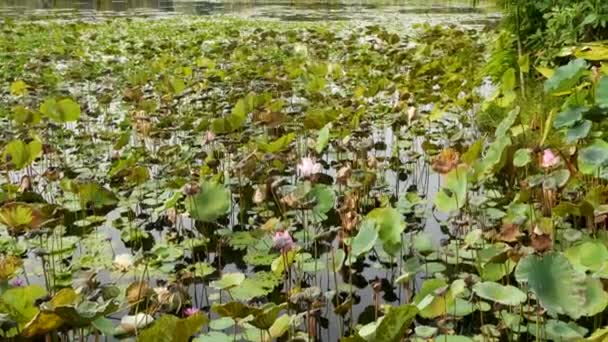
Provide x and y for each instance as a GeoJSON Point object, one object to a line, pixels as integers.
{"type": "Point", "coordinates": [476, 13]}
{"type": "Point", "coordinates": [283, 171]}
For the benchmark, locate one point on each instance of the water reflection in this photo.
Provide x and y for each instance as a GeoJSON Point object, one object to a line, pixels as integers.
{"type": "Point", "coordinates": [408, 11]}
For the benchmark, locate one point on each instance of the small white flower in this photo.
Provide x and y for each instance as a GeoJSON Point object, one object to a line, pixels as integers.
{"type": "Point", "coordinates": [308, 166]}
{"type": "Point", "coordinates": [411, 114]}
{"type": "Point", "coordinates": [131, 323]}
{"type": "Point", "coordinates": [123, 262]}
{"type": "Point", "coordinates": [260, 194]}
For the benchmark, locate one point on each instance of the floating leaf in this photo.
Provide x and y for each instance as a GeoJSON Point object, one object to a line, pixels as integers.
{"type": "Point", "coordinates": [506, 295]}
{"type": "Point", "coordinates": [228, 280]}
{"type": "Point", "coordinates": [257, 285]}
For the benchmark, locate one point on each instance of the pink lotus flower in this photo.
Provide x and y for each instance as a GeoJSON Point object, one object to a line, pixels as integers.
{"type": "Point", "coordinates": [17, 282]}
{"type": "Point", "coordinates": [308, 167]}
{"type": "Point", "coordinates": [549, 159]}
{"type": "Point", "coordinates": [191, 311]}
{"type": "Point", "coordinates": [282, 241]}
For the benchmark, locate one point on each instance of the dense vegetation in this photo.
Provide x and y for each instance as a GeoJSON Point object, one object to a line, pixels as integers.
{"type": "Point", "coordinates": [235, 180]}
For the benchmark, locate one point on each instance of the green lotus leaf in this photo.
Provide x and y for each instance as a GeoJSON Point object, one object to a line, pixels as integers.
{"type": "Point", "coordinates": [267, 316]}
{"type": "Point", "coordinates": [95, 195]}
{"type": "Point", "coordinates": [453, 195]}
{"type": "Point", "coordinates": [557, 285]}
{"type": "Point", "coordinates": [596, 299]}
{"type": "Point", "coordinates": [277, 145]}
{"type": "Point", "coordinates": [21, 154]}
{"type": "Point", "coordinates": [566, 76]}
{"type": "Point", "coordinates": [18, 216]}
{"type": "Point", "coordinates": [365, 239]}
{"type": "Point", "coordinates": [221, 323]}
{"type": "Point", "coordinates": [569, 117]}
{"type": "Point", "coordinates": [390, 225]}
{"type": "Point", "coordinates": [440, 304]}
{"type": "Point", "coordinates": [234, 310]}
{"type": "Point", "coordinates": [280, 326]}
{"type": "Point", "coordinates": [169, 328]}
{"type": "Point", "coordinates": [593, 157]}
{"type": "Point", "coordinates": [65, 110]}
{"type": "Point", "coordinates": [579, 131]}
{"type": "Point", "coordinates": [425, 331]}
{"type": "Point", "coordinates": [210, 203]}
{"type": "Point", "coordinates": [395, 323]}
{"type": "Point", "coordinates": [453, 338]}
{"type": "Point", "coordinates": [324, 198]}
{"type": "Point", "coordinates": [522, 157]}
{"type": "Point", "coordinates": [560, 331]}
{"type": "Point", "coordinates": [228, 280]}
{"type": "Point", "coordinates": [423, 243]}
{"type": "Point", "coordinates": [587, 256]}
{"type": "Point", "coordinates": [506, 295]}
{"type": "Point", "coordinates": [257, 285]}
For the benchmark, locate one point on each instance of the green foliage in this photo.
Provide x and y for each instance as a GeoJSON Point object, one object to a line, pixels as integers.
{"type": "Point", "coordinates": [210, 203]}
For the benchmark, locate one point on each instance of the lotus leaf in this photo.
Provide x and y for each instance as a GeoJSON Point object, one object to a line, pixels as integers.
{"type": "Point", "coordinates": [169, 328]}
{"type": "Point", "coordinates": [453, 195]}
{"type": "Point", "coordinates": [566, 76]}
{"type": "Point", "coordinates": [395, 323]}
{"type": "Point", "coordinates": [65, 110]}
{"type": "Point", "coordinates": [390, 225]}
{"type": "Point", "coordinates": [506, 295]}
{"type": "Point", "coordinates": [557, 285]}
{"type": "Point", "coordinates": [21, 154]}
{"type": "Point", "coordinates": [210, 203]}
{"type": "Point", "coordinates": [228, 281]}
{"type": "Point", "coordinates": [365, 239]}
